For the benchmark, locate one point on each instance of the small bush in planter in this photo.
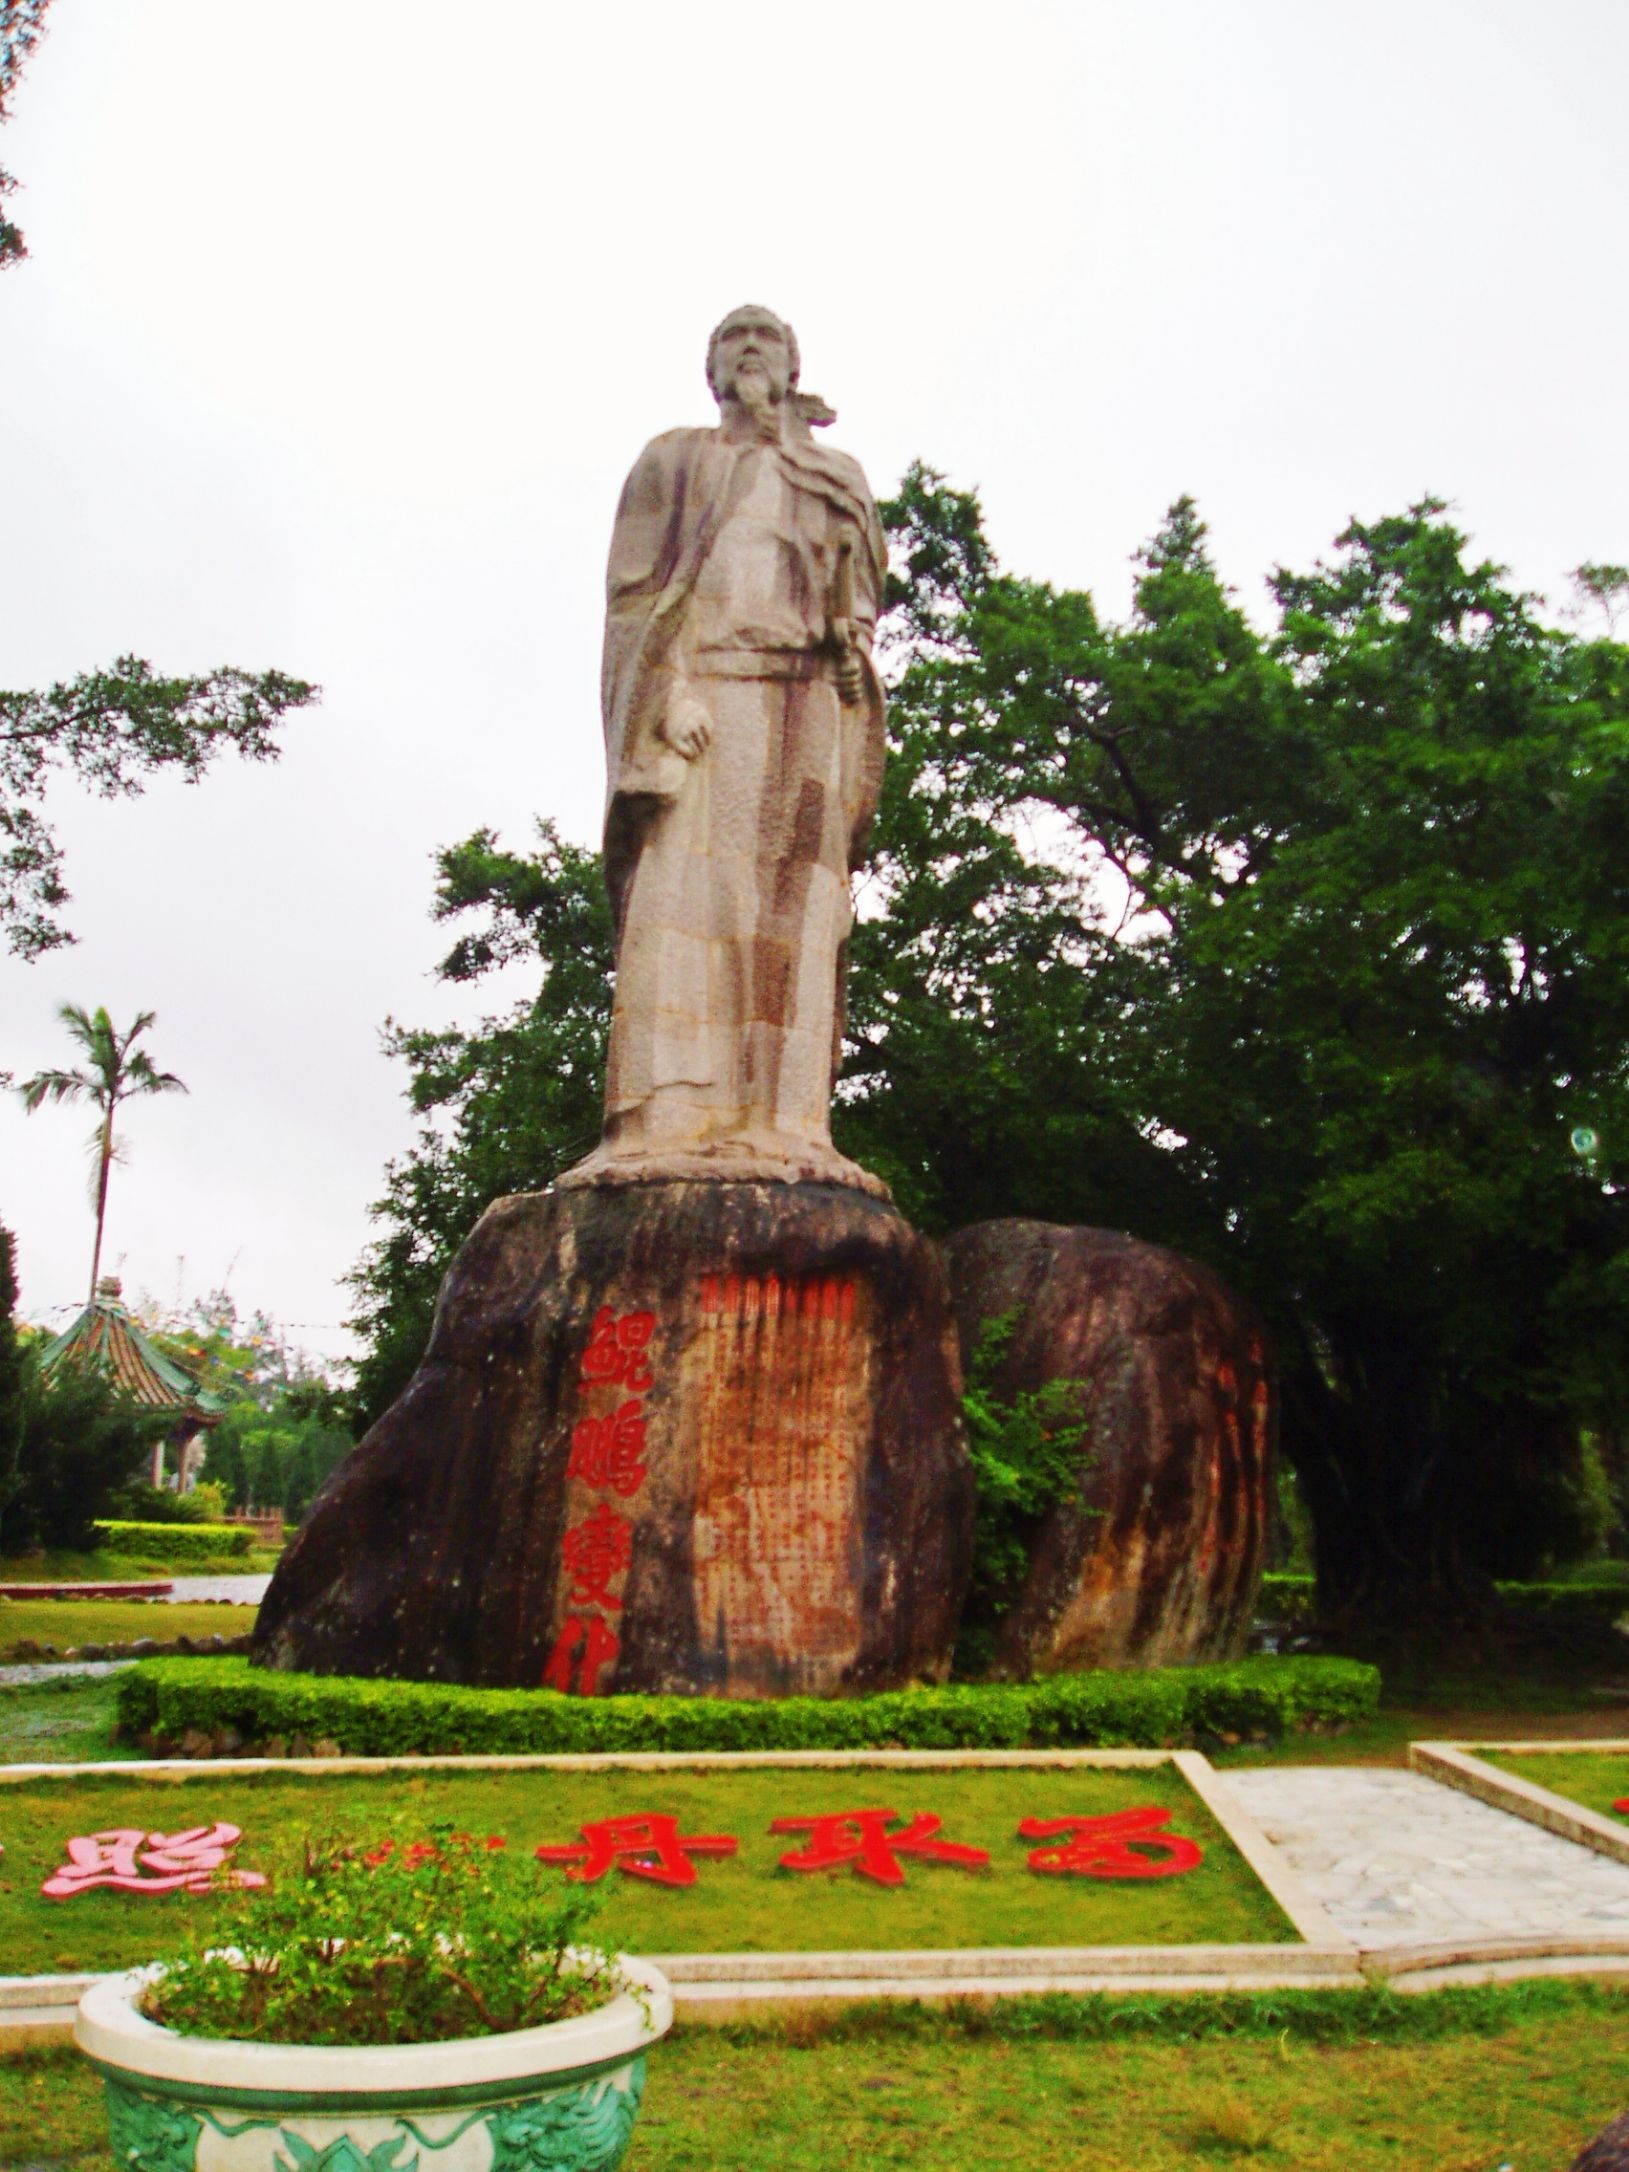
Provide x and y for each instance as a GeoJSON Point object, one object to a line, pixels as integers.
{"type": "Point", "coordinates": [385, 1997]}
{"type": "Point", "coordinates": [393, 1941]}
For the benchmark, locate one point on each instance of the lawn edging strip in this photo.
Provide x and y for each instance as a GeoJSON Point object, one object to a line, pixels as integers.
{"type": "Point", "coordinates": [1455, 1764]}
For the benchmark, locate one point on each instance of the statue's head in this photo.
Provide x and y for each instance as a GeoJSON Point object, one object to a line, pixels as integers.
{"type": "Point", "coordinates": [752, 352]}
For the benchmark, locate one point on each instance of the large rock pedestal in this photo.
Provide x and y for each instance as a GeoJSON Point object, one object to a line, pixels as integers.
{"type": "Point", "coordinates": [694, 1437]}
{"type": "Point", "coordinates": [1159, 1559]}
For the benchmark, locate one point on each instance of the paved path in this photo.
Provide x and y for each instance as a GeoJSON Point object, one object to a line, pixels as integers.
{"type": "Point", "coordinates": [1397, 1859]}
{"type": "Point", "coordinates": [236, 1590]}
{"type": "Point", "coordinates": [46, 1670]}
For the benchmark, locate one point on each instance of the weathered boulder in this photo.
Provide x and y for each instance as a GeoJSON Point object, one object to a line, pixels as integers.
{"type": "Point", "coordinates": [1159, 1559]}
{"type": "Point", "coordinates": [682, 1436]}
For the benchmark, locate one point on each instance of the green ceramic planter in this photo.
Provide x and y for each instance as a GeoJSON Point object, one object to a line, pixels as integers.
{"type": "Point", "coordinates": [562, 2098]}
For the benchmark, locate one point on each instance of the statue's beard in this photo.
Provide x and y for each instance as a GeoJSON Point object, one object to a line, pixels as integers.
{"type": "Point", "coordinates": [754, 392]}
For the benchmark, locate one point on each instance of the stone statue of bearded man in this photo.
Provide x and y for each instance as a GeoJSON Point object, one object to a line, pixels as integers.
{"type": "Point", "coordinates": [744, 748]}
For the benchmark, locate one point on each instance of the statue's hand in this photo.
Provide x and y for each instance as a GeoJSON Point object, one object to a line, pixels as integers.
{"type": "Point", "coordinates": [687, 727]}
{"type": "Point", "coordinates": [850, 676]}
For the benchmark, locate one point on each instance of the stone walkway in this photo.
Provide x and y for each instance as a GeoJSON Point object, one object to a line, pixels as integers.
{"type": "Point", "coordinates": [1397, 1859]}
{"type": "Point", "coordinates": [51, 1670]}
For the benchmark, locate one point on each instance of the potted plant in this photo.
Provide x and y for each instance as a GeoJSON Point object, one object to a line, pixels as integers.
{"type": "Point", "coordinates": [400, 2006]}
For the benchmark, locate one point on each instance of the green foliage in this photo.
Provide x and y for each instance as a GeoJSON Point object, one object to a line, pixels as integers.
{"type": "Point", "coordinates": [391, 1938]}
{"type": "Point", "coordinates": [178, 1542]}
{"type": "Point", "coordinates": [138, 1501]}
{"type": "Point", "coordinates": [1376, 2014]}
{"type": "Point", "coordinates": [12, 1379]}
{"type": "Point", "coordinates": [113, 730]}
{"type": "Point", "coordinates": [1029, 1453]}
{"type": "Point", "coordinates": [503, 1109]}
{"type": "Point", "coordinates": [116, 1071]}
{"type": "Point", "coordinates": [394, 1719]}
{"type": "Point", "coordinates": [1302, 953]}
{"type": "Point", "coordinates": [67, 1443]}
{"type": "Point", "coordinates": [277, 1458]}
{"type": "Point", "coordinates": [22, 25]}
{"type": "Point", "coordinates": [1293, 1599]}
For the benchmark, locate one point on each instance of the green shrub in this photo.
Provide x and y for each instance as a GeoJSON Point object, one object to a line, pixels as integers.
{"type": "Point", "coordinates": [1293, 1599]}
{"type": "Point", "coordinates": [388, 1939]}
{"type": "Point", "coordinates": [175, 1542]}
{"type": "Point", "coordinates": [1029, 1454]}
{"type": "Point", "coordinates": [170, 1698]}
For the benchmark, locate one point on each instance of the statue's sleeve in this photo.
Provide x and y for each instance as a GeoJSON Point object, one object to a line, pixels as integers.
{"type": "Point", "coordinates": [638, 581]}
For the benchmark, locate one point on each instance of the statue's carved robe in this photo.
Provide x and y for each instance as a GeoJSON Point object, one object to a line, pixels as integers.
{"type": "Point", "coordinates": [729, 872]}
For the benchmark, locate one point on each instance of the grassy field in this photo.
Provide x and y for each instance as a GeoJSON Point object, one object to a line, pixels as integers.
{"type": "Point", "coordinates": [741, 1903]}
{"type": "Point", "coordinates": [1333, 2082]}
{"type": "Point", "coordinates": [1595, 1778]}
{"type": "Point", "coordinates": [67, 1623]}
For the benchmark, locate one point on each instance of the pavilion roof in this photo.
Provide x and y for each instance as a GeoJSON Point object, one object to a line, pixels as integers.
{"type": "Point", "coordinates": [106, 1339]}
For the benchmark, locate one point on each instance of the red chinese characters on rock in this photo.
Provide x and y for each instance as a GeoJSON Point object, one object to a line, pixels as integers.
{"type": "Point", "coordinates": [132, 1861]}
{"type": "Point", "coordinates": [861, 1838]}
{"type": "Point", "coordinates": [644, 1847]}
{"type": "Point", "coordinates": [596, 1552]}
{"type": "Point", "coordinates": [607, 1456]}
{"type": "Point", "coordinates": [610, 1451]}
{"type": "Point", "coordinates": [1128, 1844]}
{"type": "Point", "coordinates": [583, 1647]}
{"type": "Point", "coordinates": [616, 1351]}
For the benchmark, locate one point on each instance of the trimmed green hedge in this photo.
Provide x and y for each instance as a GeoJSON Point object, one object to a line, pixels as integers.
{"type": "Point", "coordinates": [176, 1542]}
{"type": "Point", "coordinates": [170, 1699]}
{"type": "Point", "coordinates": [1290, 1598]}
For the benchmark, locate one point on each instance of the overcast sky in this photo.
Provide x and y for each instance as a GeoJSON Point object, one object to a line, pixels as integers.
{"type": "Point", "coordinates": [344, 321]}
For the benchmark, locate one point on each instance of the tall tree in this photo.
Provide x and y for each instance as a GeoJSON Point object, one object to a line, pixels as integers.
{"type": "Point", "coordinates": [1347, 985]}
{"type": "Point", "coordinates": [116, 1071]}
{"type": "Point", "coordinates": [503, 1109]}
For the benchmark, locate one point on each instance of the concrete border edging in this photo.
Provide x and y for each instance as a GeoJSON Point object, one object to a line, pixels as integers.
{"type": "Point", "coordinates": [1286, 1886]}
{"type": "Point", "coordinates": [1455, 1765]}
{"type": "Point", "coordinates": [203, 1768]}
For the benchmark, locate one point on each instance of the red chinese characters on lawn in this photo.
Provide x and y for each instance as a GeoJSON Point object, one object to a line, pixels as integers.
{"type": "Point", "coordinates": [644, 1847]}
{"type": "Point", "coordinates": [1123, 1845]}
{"type": "Point", "coordinates": [608, 1456]}
{"type": "Point", "coordinates": [861, 1838]}
{"type": "Point", "coordinates": [131, 1861]}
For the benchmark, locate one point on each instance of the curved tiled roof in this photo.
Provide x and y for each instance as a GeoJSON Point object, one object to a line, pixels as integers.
{"type": "Point", "coordinates": [106, 1339]}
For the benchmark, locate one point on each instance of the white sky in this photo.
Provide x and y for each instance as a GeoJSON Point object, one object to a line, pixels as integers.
{"type": "Point", "coordinates": [344, 321]}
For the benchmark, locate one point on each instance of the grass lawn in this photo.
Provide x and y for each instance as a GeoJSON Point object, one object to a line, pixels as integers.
{"type": "Point", "coordinates": [1456, 2082]}
{"type": "Point", "coordinates": [1595, 1778]}
{"type": "Point", "coordinates": [742, 1903]}
{"type": "Point", "coordinates": [70, 1622]}
{"type": "Point", "coordinates": [68, 1721]}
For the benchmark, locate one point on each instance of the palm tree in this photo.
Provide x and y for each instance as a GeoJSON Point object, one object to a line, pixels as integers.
{"type": "Point", "coordinates": [116, 1071]}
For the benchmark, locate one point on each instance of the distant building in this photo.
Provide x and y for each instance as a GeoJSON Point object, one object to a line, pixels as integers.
{"type": "Point", "coordinates": [106, 1339]}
